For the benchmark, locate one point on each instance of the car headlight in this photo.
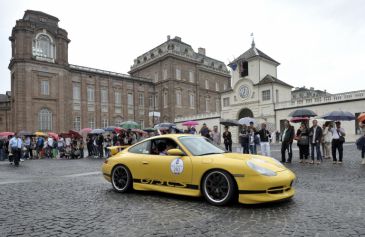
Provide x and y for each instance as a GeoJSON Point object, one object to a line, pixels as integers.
{"type": "Point", "coordinates": [260, 169]}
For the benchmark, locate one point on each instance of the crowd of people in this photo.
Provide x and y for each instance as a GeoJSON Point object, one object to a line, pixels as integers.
{"type": "Point", "coordinates": [315, 143]}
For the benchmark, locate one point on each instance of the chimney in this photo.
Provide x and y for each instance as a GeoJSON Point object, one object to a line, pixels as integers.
{"type": "Point", "coordinates": [177, 38]}
{"type": "Point", "coordinates": [312, 88]}
{"type": "Point", "coordinates": [201, 51]}
{"type": "Point", "coordinates": [168, 37]}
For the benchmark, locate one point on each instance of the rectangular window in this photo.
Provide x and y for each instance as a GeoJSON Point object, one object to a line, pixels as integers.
{"type": "Point", "coordinates": [165, 74]}
{"type": "Point", "coordinates": [191, 101]}
{"type": "Point", "coordinates": [76, 92]}
{"type": "Point", "coordinates": [155, 80]}
{"type": "Point", "coordinates": [226, 102]}
{"type": "Point", "coordinates": [130, 104]}
{"type": "Point", "coordinates": [141, 99]}
{"type": "Point", "coordinates": [225, 86]}
{"type": "Point", "coordinates": [206, 84]}
{"type": "Point", "coordinates": [118, 102]}
{"type": "Point", "coordinates": [178, 98]}
{"type": "Point", "coordinates": [191, 76]}
{"type": "Point", "coordinates": [207, 104]}
{"type": "Point", "coordinates": [266, 95]}
{"type": "Point", "coordinates": [277, 96]}
{"type": "Point", "coordinates": [244, 69]}
{"type": "Point", "coordinates": [91, 122]}
{"type": "Point", "coordinates": [104, 95]}
{"type": "Point", "coordinates": [105, 123]}
{"type": "Point", "coordinates": [44, 87]}
{"type": "Point", "coordinates": [178, 74]}
{"type": "Point", "coordinates": [150, 101]}
{"type": "Point", "coordinates": [165, 99]}
{"type": "Point", "coordinates": [156, 102]}
{"type": "Point", "coordinates": [77, 123]}
{"type": "Point", "coordinates": [217, 86]}
{"type": "Point", "coordinates": [90, 94]}
{"type": "Point", "coordinates": [217, 105]}
{"type": "Point", "coordinates": [141, 123]}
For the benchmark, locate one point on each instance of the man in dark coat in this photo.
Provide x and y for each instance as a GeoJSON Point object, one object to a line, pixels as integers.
{"type": "Point", "coordinates": [315, 136]}
{"type": "Point", "coordinates": [287, 138]}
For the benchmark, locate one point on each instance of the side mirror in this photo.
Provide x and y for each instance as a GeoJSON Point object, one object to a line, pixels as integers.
{"type": "Point", "coordinates": [115, 149]}
{"type": "Point", "coordinates": [175, 152]}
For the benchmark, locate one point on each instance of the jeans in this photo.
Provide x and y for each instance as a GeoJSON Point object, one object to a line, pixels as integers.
{"type": "Point", "coordinates": [363, 152]}
{"type": "Point", "coordinates": [245, 149]}
{"type": "Point", "coordinates": [265, 148]}
{"type": "Point", "coordinates": [16, 155]}
{"type": "Point", "coordinates": [337, 145]}
{"type": "Point", "coordinates": [228, 146]}
{"type": "Point", "coordinates": [316, 146]}
{"type": "Point", "coordinates": [286, 146]}
{"type": "Point", "coordinates": [253, 149]}
{"type": "Point", "coordinates": [303, 151]}
{"type": "Point", "coordinates": [2, 154]}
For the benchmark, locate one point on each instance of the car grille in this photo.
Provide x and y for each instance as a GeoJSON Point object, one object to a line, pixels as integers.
{"type": "Point", "coordinates": [279, 189]}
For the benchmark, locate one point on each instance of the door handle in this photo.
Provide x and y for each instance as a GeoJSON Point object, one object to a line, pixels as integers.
{"type": "Point", "coordinates": [145, 162]}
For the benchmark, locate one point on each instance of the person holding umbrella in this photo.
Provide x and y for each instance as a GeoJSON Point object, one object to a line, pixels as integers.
{"type": "Point", "coordinates": [338, 139]}
{"type": "Point", "coordinates": [361, 142]}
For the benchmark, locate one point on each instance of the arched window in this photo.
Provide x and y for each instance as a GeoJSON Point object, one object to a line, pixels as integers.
{"type": "Point", "coordinates": [43, 47]}
{"type": "Point", "coordinates": [45, 120]}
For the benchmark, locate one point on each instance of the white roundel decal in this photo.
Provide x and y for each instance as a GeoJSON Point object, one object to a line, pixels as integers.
{"type": "Point", "coordinates": [177, 166]}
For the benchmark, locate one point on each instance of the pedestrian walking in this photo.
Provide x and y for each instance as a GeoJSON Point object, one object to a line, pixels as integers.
{"type": "Point", "coordinates": [227, 139]}
{"type": "Point", "coordinates": [244, 139]}
{"type": "Point", "coordinates": [326, 139]}
{"type": "Point", "coordinates": [2, 150]}
{"type": "Point", "coordinates": [287, 137]}
{"type": "Point", "coordinates": [302, 137]}
{"type": "Point", "coordinates": [254, 140]}
{"type": "Point", "coordinates": [338, 139]}
{"type": "Point", "coordinates": [216, 135]}
{"type": "Point", "coordinates": [315, 135]}
{"type": "Point", "coordinates": [265, 137]}
{"type": "Point", "coordinates": [16, 144]}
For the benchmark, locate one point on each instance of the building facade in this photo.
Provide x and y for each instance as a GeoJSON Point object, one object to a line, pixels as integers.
{"type": "Point", "coordinates": [49, 94]}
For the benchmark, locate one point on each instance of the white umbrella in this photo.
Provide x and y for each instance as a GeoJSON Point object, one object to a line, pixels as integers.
{"type": "Point", "coordinates": [246, 121]}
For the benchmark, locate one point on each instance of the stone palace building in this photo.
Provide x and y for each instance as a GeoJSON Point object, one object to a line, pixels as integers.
{"type": "Point", "coordinates": [49, 94]}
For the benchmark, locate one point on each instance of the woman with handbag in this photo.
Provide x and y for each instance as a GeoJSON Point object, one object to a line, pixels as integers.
{"type": "Point", "coordinates": [303, 142]}
{"type": "Point", "coordinates": [338, 139]}
{"type": "Point", "coordinates": [327, 138]}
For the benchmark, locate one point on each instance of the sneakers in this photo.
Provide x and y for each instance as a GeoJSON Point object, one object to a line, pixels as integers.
{"type": "Point", "coordinates": [339, 162]}
{"type": "Point", "coordinates": [22, 160]}
{"type": "Point", "coordinates": [363, 162]}
{"type": "Point", "coordinates": [312, 162]}
{"type": "Point", "coordinates": [301, 161]}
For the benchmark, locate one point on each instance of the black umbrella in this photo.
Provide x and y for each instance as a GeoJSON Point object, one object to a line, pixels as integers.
{"type": "Point", "coordinates": [229, 122]}
{"type": "Point", "coordinates": [25, 133]}
{"type": "Point", "coordinates": [339, 116]}
{"type": "Point", "coordinates": [302, 113]}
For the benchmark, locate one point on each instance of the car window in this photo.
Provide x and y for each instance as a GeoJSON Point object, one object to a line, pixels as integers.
{"type": "Point", "coordinates": [142, 148]}
{"type": "Point", "coordinates": [161, 146]}
{"type": "Point", "coordinates": [199, 146]}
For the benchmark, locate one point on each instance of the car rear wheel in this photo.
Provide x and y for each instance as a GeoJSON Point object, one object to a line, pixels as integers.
{"type": "Point", "coordinates": [121, 179]}
{"type": "Point", "coordinates": [218, 187]}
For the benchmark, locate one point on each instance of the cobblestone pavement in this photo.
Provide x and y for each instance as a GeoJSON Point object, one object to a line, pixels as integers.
{"type": "Point", "coordinates": [70, 198]}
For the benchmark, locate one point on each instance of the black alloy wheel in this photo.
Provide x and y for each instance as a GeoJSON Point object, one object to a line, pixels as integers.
{"type": "Point", "coordinates": [218, 187]}
{"type": "Point", "coordinates": [121, 179]}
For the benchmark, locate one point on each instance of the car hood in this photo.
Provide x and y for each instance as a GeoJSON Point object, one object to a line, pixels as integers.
{"type": "Point", "coordinates": [264, 161]}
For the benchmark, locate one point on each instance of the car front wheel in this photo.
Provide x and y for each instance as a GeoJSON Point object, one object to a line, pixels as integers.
{"type": "Point", "coordinates": [121, 179]}
{"type": "Point", "coordinates": [218, 187]}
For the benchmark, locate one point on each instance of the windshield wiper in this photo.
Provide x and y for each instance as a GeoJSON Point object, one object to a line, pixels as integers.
{"type": "Point", "coordinates": [209, 153]}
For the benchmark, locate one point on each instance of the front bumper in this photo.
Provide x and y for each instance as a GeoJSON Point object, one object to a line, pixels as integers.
{"type": "Point", "coordinates": [260, 189]}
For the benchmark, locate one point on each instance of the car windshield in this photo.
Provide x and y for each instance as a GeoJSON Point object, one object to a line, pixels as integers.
{"type": "Point", "coordinates": [199, 146]}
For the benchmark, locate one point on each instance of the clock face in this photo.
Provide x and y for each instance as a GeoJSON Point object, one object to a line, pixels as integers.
{"type": "Point", "coordinates": [244, 91]}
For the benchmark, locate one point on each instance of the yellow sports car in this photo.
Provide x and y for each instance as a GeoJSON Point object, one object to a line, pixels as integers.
{"type": "Point", "coordinates": [191, 165]}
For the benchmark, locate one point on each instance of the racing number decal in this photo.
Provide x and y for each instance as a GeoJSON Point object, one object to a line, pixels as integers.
{"type": "Point", "coordinates": [177, 166]}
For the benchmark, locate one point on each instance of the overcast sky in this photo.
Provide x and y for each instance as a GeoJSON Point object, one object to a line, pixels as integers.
{"type": "Point", "coordinates": [318, 43]}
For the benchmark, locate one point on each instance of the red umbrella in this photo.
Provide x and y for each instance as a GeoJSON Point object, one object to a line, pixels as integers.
{"type": "Point", "coordinates": [65, 134]}
{"type": "Point", "coordinates": [75, 134]}
{"type": "Point", "coordinates": [299, 119]}
{"type": "Point", "coordinates": [6, 134]}
{"type": "Point", "coordinates": [138, 131]}
{"type": "Point", "coordinates": [361, 118]}
{"type": "Point", "coordinates": [190, 123]}
{"type": "Point", "coordinates": [53, 135]}
{"type": "Point", "coordinates": [119, 130]}
{"type": "Point", "coordinates": [86, 130]}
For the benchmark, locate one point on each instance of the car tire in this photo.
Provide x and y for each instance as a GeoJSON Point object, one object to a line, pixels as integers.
{"type": "Point", "coordinates": [218, 187]}
{"type": "Point", "coordinates": [121, 179]}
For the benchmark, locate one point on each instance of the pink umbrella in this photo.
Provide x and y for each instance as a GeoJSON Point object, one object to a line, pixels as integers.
{"type": "Point", "coordinates": [53, 135]}
{"type": "Point", "coordinates": [6, 134]}
{"type": "Point", "coordinates": [86, 130]}
{"type": "Point", "coordinates": [119, 130]}
{"type": "Point", "coordinates": [190, 123]}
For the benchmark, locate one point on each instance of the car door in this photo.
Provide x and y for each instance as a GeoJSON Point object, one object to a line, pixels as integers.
{"type": "Point", "coordinates": [137, 160]}
{"type": "Point", "coordinates": [166, 170]}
